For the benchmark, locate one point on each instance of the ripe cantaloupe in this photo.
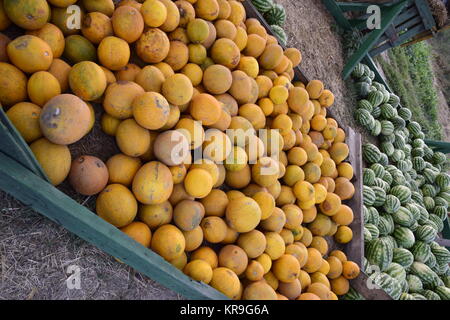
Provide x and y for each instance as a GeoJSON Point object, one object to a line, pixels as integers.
{"type": "Point", "coordinates": [197, 30]}
{"type": "Point", "coordinates": [214, 229]}
{"type": "Point", "coordinates": [179, 262]}
{"type": "Point", "coordinates": [60, 70]}
{"type": "Point", "coordinates": [139, 232]}
{"type": "Point", "coordinates": [154, 13]}
{"type": "Point", "coordinates": [259, 290]}
{"type": "Point", "coordinates": [178, 55]}
{"type": "Point", "coordinates": [194, 239]}
{"type": "Point", "coordinates": [117, 205]}
{"type": "Point", "coordinates": [25, 117]}
{"type": "Point", "coordinates": [173, 16]}
{"type": "Point", "coordinates": [150, 78]}
{"type": "Point", "coordinates": [88, 175]}
{"type": "Point", "coordinates": [153, 183]}
{"type": "Point", "coordinates": [290, 290]}
{"type": "Point", "coordinates": [127, 23]}
{"type": "Point", "coordinates": [217, 145]}
{"type": "Point", "coordinates": [65, 119]}
{"type": "Point", "coordinates": [253, 243]}
{"type": "Point", "coordinates": [168, 241]}
{"type": "Point", "coordinates": [53, 36]}
{"type": "Point", "coordinates": [127, 73]}
{"type": "Point", "coordinates": [113, 53]}
{"type": "Point", "coordinates": [234, 258]}
{"type": "Point", "coordinates": [42, 86]}
{"type": "Point", "coordinates": [193, 72]}
{"type": "Point", "coordinates": [30, 53]}
{"type": "Point", "coordinates": [238, 14]}
{"type": "Point", "coordinates": [225, 52]}
{"type": "Point", "coordinates": [87, 80]}
{"type": "Point", "coordinates": [96, 26]}
{"type": "Point", "coordinates": [198, 183]}
{"type": "Point", "coordinates": [199, 270]}
{"type": "Point", "coordinates": [27, 14]}
{"type": "Point", "coordinates": [171, 147]}
{"type": "Point", "coordinates": [215, 203]}
{"type": "Point", "coordinates": [156, 215]}
{"type": "Point", "coordinates": [54, 159]}
{"type": "Point", "coordinates": [153, 46]}
{"type": "Point", "coordinates": [207, 9]}
{"type": "Point", "coordinates": [132, 139]}
{"type": "Point", "coordinates": [254, 271]}
{"type": "Point", "coordinates": [205, 108]}
{"type": "Point", "coordinates": [275, 246]}
{"type": "Point", "coordinates": [104, 6]}
{"type": "Point", "coordinates": [13, 88]}
{"type": "Point", "coordinates": [188, 214]}
{"type": "Point", "coordinates": [78, 49]}
{"type": "Point", "coordinates": [151, 110]}
{"type": "Point", "coordinates": [119, 97]}
{"type": "Point", "coordinates": [178, 89]}
{"type": "Point", "coordinates": [343, 235]}
{"type": "Point", "coordinates": [122, 169]}
{"type": "Point", "coordinates": [243, 214]}
{"type": "Point", "coordinates": [331, 205]}
{"type": "Point", "coordinates": [226, 281]}
{"type": "Point", "coordinates": [206, 254]}
{"type": "Point", "coordinates": [217, 79]}
{"type": "Point", "coordinates": [275, 222]}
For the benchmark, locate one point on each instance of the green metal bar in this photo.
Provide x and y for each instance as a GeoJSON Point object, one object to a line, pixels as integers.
{"type": "Point", "coordinates": [336, 12]}
{"type": "Point", "coordinates": [35, 192]}
{"type": "Point", "coordinates": [388, 17]}
{"type": "Point", "coordinates": [12, 144]}
{"type": "Point", "coordinates": [440, 146]}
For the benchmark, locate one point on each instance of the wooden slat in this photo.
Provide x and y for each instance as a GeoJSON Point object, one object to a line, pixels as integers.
{"type": "Point", "coordinates": [355, 249]}
{"type": "Point", "coordinates": [425, 13]}
{"type": "Point", "coordinates": [407, 14]}
{"type": "Point", "coordinates": [337, 13]}
{"type": "Point", "coordinates": [388, 17]}
{"type": "Point", "coordinates": [13, 144]}
{"type": "Point", "coordinates": [33, 191]}
{"type": "Point", "coordinates": [408, 24]}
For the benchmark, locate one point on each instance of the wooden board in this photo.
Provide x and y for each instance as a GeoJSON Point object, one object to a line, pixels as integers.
{"type": "Point", "coordinates": [26, 184]}
{"type": "Point", "coordinates": [33, 191]}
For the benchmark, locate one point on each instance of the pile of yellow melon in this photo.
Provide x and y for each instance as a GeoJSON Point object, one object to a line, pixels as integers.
{"type": "Point", "coordinates": [228, 169]}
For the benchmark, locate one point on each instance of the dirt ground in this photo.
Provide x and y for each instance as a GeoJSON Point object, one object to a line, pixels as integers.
{"type": "Point", "coordinates": [35, 252]}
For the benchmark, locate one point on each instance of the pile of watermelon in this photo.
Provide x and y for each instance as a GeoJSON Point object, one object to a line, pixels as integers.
{"type": "Point", "coordinates": [406, 195]}
{"type": "Point", "coordinates": [275, 15]}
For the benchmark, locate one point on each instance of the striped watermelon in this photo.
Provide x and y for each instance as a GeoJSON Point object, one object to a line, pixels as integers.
{"type": "Point", "coordinates": [441, 253]}
{"type": "Point", "coordinates": [399, 123]}
{"type": "Point", "coordinates": [364, 118]}
{"type": "Point", "coordinates": [441, 202]}
{"type": "Point", "coordinates": [276, 15]}
{"type": "Point", "coordinates": [367, 235]}
{"type": "Point", "coordinates": [404, 237]}
{"type": "Point", "coordinates": [388, 178]}
{"type": "Point", "coordinates": [385, 225]}
{"type": "Point", "coordinates": [425, 233]}
{"type": "Point", "coordinates": [387, 147]}
{"type": "Point", "coordinates": [368, 177]}
{"type": "Point", "coordinates": [429, 203]}
{"type": "Point", "coordinates": [430, 175]}
{"type": "Point", "coordinates": [399, 141]}
{"type": "Point", "coordinates": [439, 158]}
{"type": "Point", "coordinates": [414, 283]}
{"type": "Point", "coordinates": [376, 98]}
{"type": "Point", "coordinates": [380, 196]}
{"type": "Point", "coordinates": [374, 232]}
{"type": "Point", "coordinates": [414, 209]}
{"type": "Point", "coordinates": [406, 296]}
{"type": "Point", "coordinates": [402, 193]}
{"type": "Point", "coordinates": [421, 251]}
{"type": "Point", "coordinates": [376, 112]}
{"type": "Point", "coordinates": [443, 180]}
{"type": "Point", "coordinates": [279, 33]}
{"type": "Point", "coordinates": [440, 211]}
{"type": "Point", "coordinates": [362, 88]}
{"type": "Point", "coordinates": [392, 286]}
{"type": "Point", "coordinates": [414, 128]}
{"type": "Point", "coordinates": [428, 190]}
{"type": "Point", "coordinates": [443, 292]}
{"type": "Point", "coordinates": [428, 277]}
{"type": "Point", "coordinates": [384, 159]}
{"type": "Point", "coordinates": [379, 253]}
{"type": "Point", "coordinates": [403, 166]}
{"type": "Point", "coordinates": [371, 153]}
{"type": "Point", "coordinates": [403, 257]}
{"type": "Point", "coordinates": [418, 296]}
{"type": "Point", "coordinates": [368, 196]}
{"type": "Point", "coordinates": [388, 112]}
{"type": "Point", "coordinates": [417, 152]}
{"type": "Point", "coordinates": [358, 72]}
{"type": "Point", "coordinates": [418, 143]}
{"type": "Point", "coordinates": [263, 5]}
{"type": "Point", "coordinates": [391, 204]}
{"type": "Point", "coordinates": [405, 114]}
{"type": "Point", "coordinates": [378, 169]}
{"type": "Point", "coordinates": [396, 271]}
{"type": "Point", "coordinates": [352, 294]}
{"type": "Point", "coordinates": [382, 184]}
{"type": "Point", "coordinates": [365, 104]}
{"type": "Point", "coordinates": [376, 129]}
{"type": "Point", "coordinates": [394, 100]}
{"type": "Point", "coordinates": [430, 295]}
{"type": "Point", "coordinates": [432, 262]}
{"type": "Point", "coordinates": [403, 217]}
{"type": "Point", "coordinates": [418, 164]}
{"type": "Point", "coordinates": [387, 127]}
{"type": "Point", "coordinates": [374, 216]}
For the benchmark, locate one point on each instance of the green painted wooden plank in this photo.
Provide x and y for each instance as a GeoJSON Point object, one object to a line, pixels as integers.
{"type": "Point", "coordinates": [353, 6]}
{"type": "Point", "coordinates": [440, 146]}
{"type": "Point", "coordinates": [336, 12]}
{"type": "Point", "coordinates": [388, 17]}
{"type": "Point", "coordinates": [406, 15]}
{"type": "Point", "coordinates": [425, 13]}
{"type": "Point", "coordinates": [14, 145]}
{"type": "Point", "coordinates": [33, 191]}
